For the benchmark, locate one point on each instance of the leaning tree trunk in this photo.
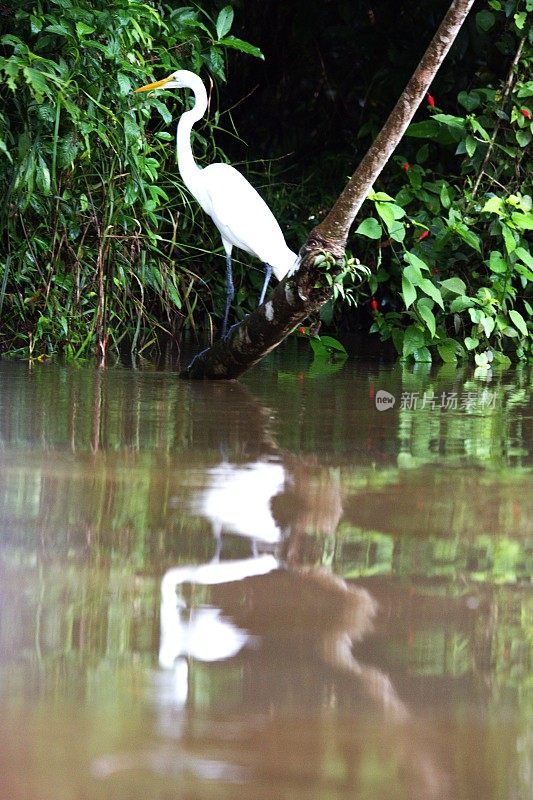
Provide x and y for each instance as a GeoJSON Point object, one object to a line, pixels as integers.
{"type": "Point", "coordinates": [305, 291]}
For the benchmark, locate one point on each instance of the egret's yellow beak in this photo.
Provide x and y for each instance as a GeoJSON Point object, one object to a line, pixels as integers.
{"type": "Point", "coordinates": [155, 85]}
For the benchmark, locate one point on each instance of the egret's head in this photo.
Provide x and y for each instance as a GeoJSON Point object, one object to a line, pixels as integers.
{"type": "Point", "coordinates": [181, 79]}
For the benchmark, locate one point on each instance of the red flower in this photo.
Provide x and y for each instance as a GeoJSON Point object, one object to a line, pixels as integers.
{"type": "Point", "coordinates": [374, 304]}
{"type": "Point", "coordinates": [406, 166]}
{"type": "Point", "coordinates": [423, 235]}
{"type": "Point", "coordinates": [431, 101]}
{"type": "Point", "coordinates": [525, 113]}
{"type": "Point", "coordinates": [301, 329]}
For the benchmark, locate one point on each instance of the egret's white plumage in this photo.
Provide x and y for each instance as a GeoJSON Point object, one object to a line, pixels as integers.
{"type": "Point", "coordinates": [239, 212]}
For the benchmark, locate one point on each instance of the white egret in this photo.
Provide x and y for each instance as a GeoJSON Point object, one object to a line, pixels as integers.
{"type": "Point", "coordinates": [240, 214]}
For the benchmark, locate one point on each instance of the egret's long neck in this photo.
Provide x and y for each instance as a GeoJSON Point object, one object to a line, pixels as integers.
{"type": "Point", "coordinates": [189, 169]}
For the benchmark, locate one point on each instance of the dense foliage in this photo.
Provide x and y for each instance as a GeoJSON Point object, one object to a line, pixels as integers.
{"type": "Point", "coordinates": [101, 244]}
{"type": "Point", "coordinates": [453, 238]}
{"type": "Point", "coordinates": [97, 230]}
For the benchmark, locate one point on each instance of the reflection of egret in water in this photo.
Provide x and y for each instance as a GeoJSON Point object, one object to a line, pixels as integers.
{"type": "Point", "coordinates": [238, 500]}
{"type": "Point", "coordinates": [256, 610]}
{"type": "Point", "coordinates": [214, 611]}
{"type": "Point", "coordinates": [260, 676]}
{"type": "Point", "coordinates": [260, 681]}
{"type": "Point", "coordinates": [202, 633]}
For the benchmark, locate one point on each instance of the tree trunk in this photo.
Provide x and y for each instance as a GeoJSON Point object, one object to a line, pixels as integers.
{"type": "Point", "coordinates": [307, 289]}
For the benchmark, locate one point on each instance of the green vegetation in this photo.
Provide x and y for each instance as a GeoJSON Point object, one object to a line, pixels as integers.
{"type": "Point", "coordinates": [459, 252]}
{"type": "Point", "coordinates": [103, 251]}
{"type": "Point", "coordinates": [97, 230]}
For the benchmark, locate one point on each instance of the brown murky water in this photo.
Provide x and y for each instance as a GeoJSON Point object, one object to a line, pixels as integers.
{"type": "Point", "coordinates": [265, 589]}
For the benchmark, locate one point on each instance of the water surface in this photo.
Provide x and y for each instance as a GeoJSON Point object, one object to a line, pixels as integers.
{"type": "Point", "coordinates": [266, 588]}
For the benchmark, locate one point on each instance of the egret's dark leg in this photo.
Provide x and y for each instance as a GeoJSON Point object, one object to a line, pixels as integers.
{"type": "Point", "coordinates": [230, 291]}
{"type": "Point", "coordinates": [268, 275]}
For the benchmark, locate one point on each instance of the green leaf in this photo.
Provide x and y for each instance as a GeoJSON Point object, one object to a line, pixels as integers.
{"type": "Point", "coordinates": [455, 285]}
{"type": "Point", "coordinates": [423, 355]}
{"type": "Point", "coordinates": [413, 339]}
{"type": "Point", "coordinates": [519, 321]}
{"type": "Point", "coordinates": [385, 213]}
{"type": "Point", "coordinates": [461, 304]}
{"type": "Point", "coordinates": [526, 90]}
{"type": "Point", "coordinates": [68, 149]}
{"type": "Point", "coordinates": [494, 205]}
{"type": "Point", "coordinates": [523, 222]}
{"type": "Point", "coordinates": [395, 210]}
{"type": "Point", "coordinates": [471, 145]}
{"type": "Point", "coordinates": [485, 20]}
{"type": "Point", "coordinates": [445, 198]}
{"type": "Point", "coordinates": [131, 129]}
{"type": "Point", "coordinates": [390, 213]}
{"type": "Point", "coordinates": [523, 137]}
{"type": "Point", "coordinates": [524, 271]}
{"type": "Point", "coordinates": [244, 47]}
{"type": "Point", "coordinates": [431, 290]}
{"type": "Point", "coordinates": [450, 120]}
{"type": "Point", "coordinates": [397, 231]}
{"type": "Point", "coordinates": [467, 236]}
{"type": "Point", "coordinates": [163, 110]}
{"type": "Point", "coordinates": [61, 30]}
{"type": "Point", "coordinates": [429, 129]}
{"type": "Point", "coordinates": [124, 83]}
{"type": "Point", "coordinates": [502, 359]}
{"type": "Point", "coordinates": [478, 128]}
{"type": "Point", "coordinates": [413, 274]}
{"type": "Point", "coordinates": [333, 344]}
{"type": "Point", "coordinates": [520, 19]}
{"type": "Point", "coordinates": [174, 296]}
{"type": "Point", "coordinates": [413, 259]}
{"type": "Point", "coordinates": [370, 228]}
{"type": "Point", "coordinates": [448, 351]}
{"type": "Point", "coordinates": [508, 238]}
{"type": "Point", "coordinates": [497, 263]}
{"type": "Point", "coordinates": [404, 196]}
{"type": "Point", "coordinates": [408, 291]}
{"type": "Point", "coordinates": [469, 100]}
{"type": "Point", "coordinates": [84, 30]}
{"type": "Point", "coordinates": [488, 324]}
{"type": "Point", "coordinates": [510, 332]}
{"type": "Point", "coordinates": [322, 350]}
{"type": "Point", "coordinates": [36, 81]}
{"type": "Point", "coordinates": [524, 256]}
{"type": "Point", "coordinates": [216, 62]}
{"type": "Point", "coordinates": [471, 342]}
{"type": "Point", "coordinates": [42, 176]}
{"type": "Point", "coordinates": [428, 317]}
{"type": "Point", "coordinates": [36, 24]}
{"type": "Point", "coordinates": [224, 21]}
{"type": "Point", "coordinates": [379, 196]}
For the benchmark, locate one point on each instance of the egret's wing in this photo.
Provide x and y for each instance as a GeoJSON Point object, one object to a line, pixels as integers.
{"type": "Point", "coordinates": [241, 215]}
